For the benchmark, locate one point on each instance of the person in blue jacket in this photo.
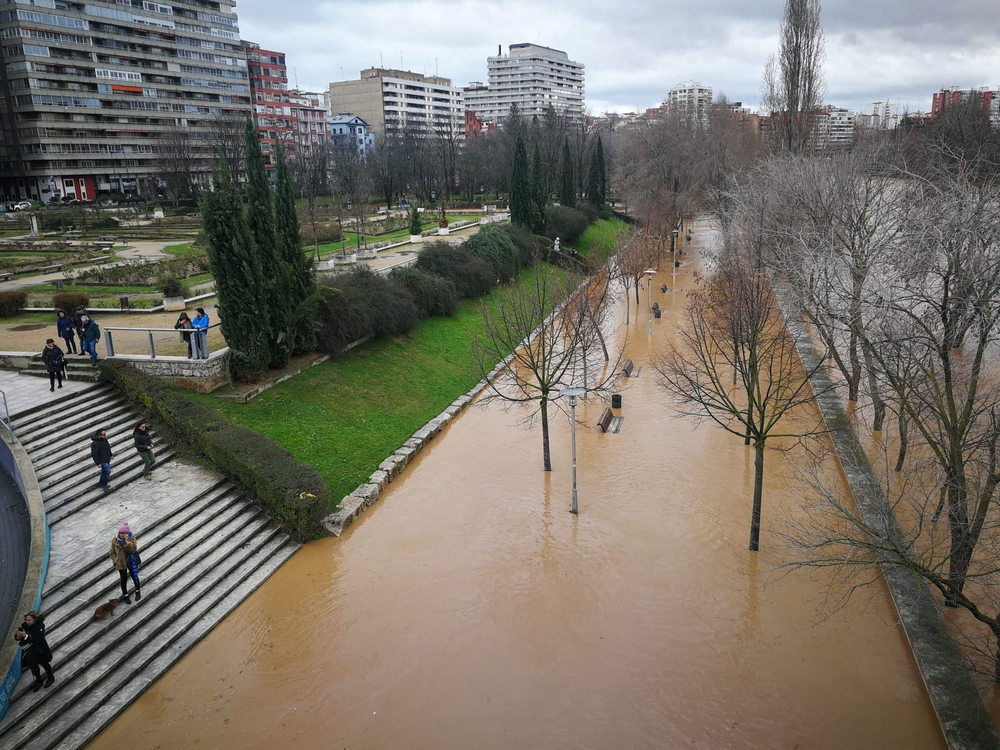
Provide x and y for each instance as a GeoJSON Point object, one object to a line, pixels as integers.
{"type": "Point", "coordinates": [200, 325]}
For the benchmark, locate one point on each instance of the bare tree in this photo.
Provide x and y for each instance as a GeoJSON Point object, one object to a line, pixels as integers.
{"type": "Point", "coordinates": [793, 84]}
{"type": "Point", "coordinates": [546, 329]}
{"type": "Point", "coordinates": [636, 253]}
{"type": "Point", "coordinates": [310, 167]}
{"type": "Point", "coordinates": [353, 181]}
{"type": "Point", "coordinates": [175, 163]}
{"type": "Point", "coordinates": [225, 137]}
{"type": "Point", "coordinates": [733, 329]}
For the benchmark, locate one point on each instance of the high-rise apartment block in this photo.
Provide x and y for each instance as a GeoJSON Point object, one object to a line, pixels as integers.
{"type": "Point", "coordinates": [309, 115]}
{"type": "Point", "coordinates": [91, 88]}
{"type": "Point", "coordinates": [952, 97]}
{"type": "Point", "coordinates": [534, 78]}
{"type": "Point", "coordinates": [272, 111]}
{"type": "Point", "coordinates": [397, 100]}
{"type": "Point", "coordinates": [691, 101]}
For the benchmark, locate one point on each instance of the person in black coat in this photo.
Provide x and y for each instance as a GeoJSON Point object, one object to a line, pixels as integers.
{"type": "Point", "coordinates": [35, 651]}
{"type": "Point", "coordinates": [144, 446]}
{"type": "Point", "coordinates": [100, 451]}
{"type": "Point", "coordinates": [78, 317]}
{"type": "Point", "coordinates": [67, 331]}
{"type": "Point", "coordinates": [52, 356]}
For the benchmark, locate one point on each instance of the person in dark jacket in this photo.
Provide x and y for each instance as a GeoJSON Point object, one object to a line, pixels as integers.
{"type": "Point", "coordinates": [144, 445]}
{"type": "Point", "coordinates": [78, 327]}
{"type": "Point", "coordinates": [184, 325]}
{"type": "Point", "coordinates": [35, 651]}
{"type": "Point", "coordinates": [125, 557]}
{"type": "Point", "coordinates": [52, 356]}
{"type": "Point", "coordinates": [67, 331]}
{"type": "Point", "coordinates": [89, 337]}
{"type": "Point", "coordinates": [100, 451]}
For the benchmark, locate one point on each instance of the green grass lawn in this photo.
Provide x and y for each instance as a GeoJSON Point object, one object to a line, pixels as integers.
{"type": "Point", "coordinates": [599, 239]}
{"type": "Point", "coordinates": [346, 416]}
{"type": "Point", "coordinates": [183, 249]}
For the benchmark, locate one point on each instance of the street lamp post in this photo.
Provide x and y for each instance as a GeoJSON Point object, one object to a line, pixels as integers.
{"type": "Point", "coordinates": [649, 298]}
{"type": "Point", "coordinates": [673, 258]}
{"type": "Point", "coordinates": [573, 393]}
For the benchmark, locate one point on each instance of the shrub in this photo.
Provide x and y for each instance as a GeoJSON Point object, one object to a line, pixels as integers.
{"type": "Point", "coordinates": [11, 303]}
{"type": "Point", "coordinates": [568, 224]}
{"type": "Point", "coordinates": [471, 276]}
{"type": "Point", "coordinates": [433, 295]}
{"type": "Point", "coordinates": [527, 244]}
{"type": "Point", "coordinates": [362, 305]}
{"type": "Point", "coordinates": [69, 301]}
{"type": "Point", "coordinates": [592, 212]}
{"type": "Point", "coordinates": [171, 285]}
{"type": "Point", "coordinates": [293, 493]}
{"type": "Point", "coordinates": [415, 225]}
{"type": "Point", "coordinates": [496, 247]}
{"type": "Point", "coordinates": [325, 233]}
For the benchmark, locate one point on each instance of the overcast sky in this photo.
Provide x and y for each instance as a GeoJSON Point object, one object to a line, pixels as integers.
{"type": "Point", "coordinates": [636, 50]}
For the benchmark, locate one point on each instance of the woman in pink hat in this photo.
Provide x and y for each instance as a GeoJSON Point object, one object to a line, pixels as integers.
{"type": "Point", "coordinates": [125, 556]}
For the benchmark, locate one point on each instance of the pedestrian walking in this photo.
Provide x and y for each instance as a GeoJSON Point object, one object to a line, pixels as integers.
{"type": "Point", "coordinates": [125, 556]}
{"type": "Point", "coordinates": [100, 451]}
{"type": "Point", "coordinates": [200, 324]}
{"type": "Point", "coordinates": [89, 337]}
{"type": "Point", "coordinates": [35, 651]}
{"type": "Point", "coordinates": [78, 327]}
{"type": "Point", "coordinates": [184, 324]}
{"type": "Point", "coordinates": [52, 356]}
{"type": "Point", "coordinates": [144, 445]}
{"type": "Point", "coordinates": [67, 331]}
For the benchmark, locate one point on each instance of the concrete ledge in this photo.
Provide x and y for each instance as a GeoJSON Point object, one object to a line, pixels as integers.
{"type": "Point", "coordinates": [964, 720]}
{"type": "Point", "coordinates": [16, 360]}
{"type": "Point", "coordinates": [201, 375]}
{"type": "Point", "coordinates": [16, 461]}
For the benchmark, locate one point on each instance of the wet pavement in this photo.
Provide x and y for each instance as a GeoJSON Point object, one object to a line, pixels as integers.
{"type": "Point", "coordinates": [469, 608]}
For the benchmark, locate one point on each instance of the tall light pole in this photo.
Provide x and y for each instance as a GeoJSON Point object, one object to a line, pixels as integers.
{"type": "Point", "coordinates": [673, 258]}
{"type": "Point", "coordinates": [649, 299]}
{"type": "Point", "coordinates": [573, 393]}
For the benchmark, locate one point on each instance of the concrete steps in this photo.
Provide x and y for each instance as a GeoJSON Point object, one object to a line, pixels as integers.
{"type": "Point", "coordinates": [77, 368]}
{"type": "Point", "coordinates": [199, 561]}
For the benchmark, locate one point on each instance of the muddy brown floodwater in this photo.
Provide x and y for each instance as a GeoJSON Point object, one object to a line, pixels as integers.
{"type": "Point", "coordinates": [469, 608]}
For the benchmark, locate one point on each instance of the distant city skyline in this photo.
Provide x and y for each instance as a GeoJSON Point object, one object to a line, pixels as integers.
{"type": "Point", "coordinates": [897, 50]}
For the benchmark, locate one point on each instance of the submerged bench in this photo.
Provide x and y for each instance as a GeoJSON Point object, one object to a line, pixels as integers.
{"type": "Point", "coordinates": [609, 422]}
{"type": "Point", "coordinates": [630, 370]}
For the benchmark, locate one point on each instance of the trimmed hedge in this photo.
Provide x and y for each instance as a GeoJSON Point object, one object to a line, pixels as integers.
{"type": "Point", "coordinates": [293, 493]}
{"type": "Point", "coordinates": [69, 301]}
{"type": "Point", "coordinates": [433, 295]}
{"type": "Point", "coordinates": [11, 303]}
{"type": "Point", "coordinates": [568, 224]}
{"type": "Point", "coordinates": [472, 276]}
{"type": "Point", "coordinates": [496, 247]}
{"type": "Point", "coordinates": [527, 243]}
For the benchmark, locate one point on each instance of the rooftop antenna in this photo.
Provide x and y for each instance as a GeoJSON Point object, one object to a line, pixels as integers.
{"type": "Point", "coordinates": [295, 72]}
{"type": "Point", "coordinates": [342, 75]}
{"type": "Point", "coordinates": [435, 65]}
{"type": "Point", "coordinates": [401, 60]}
{"type": "Point", "coordinates": [381, 64]}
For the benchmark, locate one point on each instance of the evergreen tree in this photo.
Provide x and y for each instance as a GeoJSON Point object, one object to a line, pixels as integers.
{"type": "Point", "coordinates": [602, 176]}
{"type": "Point", "coordinates": [415, 226]}
{"type": "Point", "coordinates": [273, 303]}
{"type": "Point", "coordinates": [301, 303]}
{"type": "Point", "coordinates": [539, 199]}
{"type": "Point", "coordinates": [234, 263]}
{"type": "Point", "coordinates": [521, 212]}
{"type": "Point", "coordinates": [567, 184]}
{"type": "Point", "coordinates": [593, 180]}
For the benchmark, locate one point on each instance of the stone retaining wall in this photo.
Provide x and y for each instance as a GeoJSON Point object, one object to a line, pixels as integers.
{"type": "Point", "coordinates": [201, 375]}
{"type": "Point", "coordinates": [964, 719]}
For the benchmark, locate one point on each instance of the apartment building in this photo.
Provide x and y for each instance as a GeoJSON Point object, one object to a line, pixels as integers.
{"type": "Point", "coordinates": [272, 110]}
{"type": "Point", "coordinates": [350, 131]}
{"type": "Point", "coordinates": [948, 98]}
{"type": "Point", "coordinates": [534, 78]}
{"type": "Point", "coordinates": [831, 128]}
{"type": "Point", "coordinates": [395, 100]}
{"type": "Point", "coordinates": [91, 89]}
{"type": "Point", "coordinates": [690, 101]}
{"type": "Point", "coordinates": [309, 115]}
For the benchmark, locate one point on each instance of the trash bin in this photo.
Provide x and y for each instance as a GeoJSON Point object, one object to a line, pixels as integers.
{"type": "Point", "coordinates": [616, 401]}
{"type": "Point", "coordinates": [657, 313]}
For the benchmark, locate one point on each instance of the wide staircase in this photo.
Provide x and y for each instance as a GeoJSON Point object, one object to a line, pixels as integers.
{"type": "Point", "coordinates": [201, 557]}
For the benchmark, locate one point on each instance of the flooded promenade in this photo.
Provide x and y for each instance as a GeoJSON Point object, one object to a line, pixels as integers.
{"type": "Point", "coordinates": [469, 608]}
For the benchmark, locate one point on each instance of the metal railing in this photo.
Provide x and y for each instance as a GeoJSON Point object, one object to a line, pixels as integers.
{"type": "Point", "coordinates": [199, 346]}
{"type": "Point", "coordinates": [5, 417]}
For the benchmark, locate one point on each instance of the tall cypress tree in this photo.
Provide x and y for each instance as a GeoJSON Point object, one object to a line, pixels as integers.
{"type": "Point", "coordinates": [273, 303]}
{"type": "Point", "coordinates": [303, 280]}
{"type": "Point", "coordinates": [602, 175]}
{"type": "Point", "coordinates": [594, 180]}
{"type": "Point", "coordinates": [239, 284]}
{"type": "Point", "coordinates": [538, 196]}
{"type": "Point", "coordinates": [567, 185]}
{"type": "Point", "coordinates": [520, 187]}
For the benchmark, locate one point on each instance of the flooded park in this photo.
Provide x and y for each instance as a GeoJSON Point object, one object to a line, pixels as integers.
{"type": "Point", "coordinates": [469, 608]}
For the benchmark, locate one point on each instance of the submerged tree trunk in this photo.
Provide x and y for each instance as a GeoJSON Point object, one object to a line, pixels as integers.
{"type": "Point", "coordinates": [904, 439]}
{"type": "Point", "coordinates": [546, 458]}
{"type": "Point", "coordinates": [758, 491]}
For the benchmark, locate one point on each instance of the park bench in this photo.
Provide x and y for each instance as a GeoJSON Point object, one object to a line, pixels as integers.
{"type": "Point", "coordinates": [6, 275]}
{"type": "Point", "coordinates": [609, 422]}
{"type": "Point", "coordinates": [54, 267]}
{"type": "Point", "coordinates": [101, 259]}
{"type": "Point", "coordinates": [630, 370]}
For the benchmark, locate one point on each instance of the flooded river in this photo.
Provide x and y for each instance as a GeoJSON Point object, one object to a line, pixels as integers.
{"type": "Point", "coordinates": [469, 608]}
